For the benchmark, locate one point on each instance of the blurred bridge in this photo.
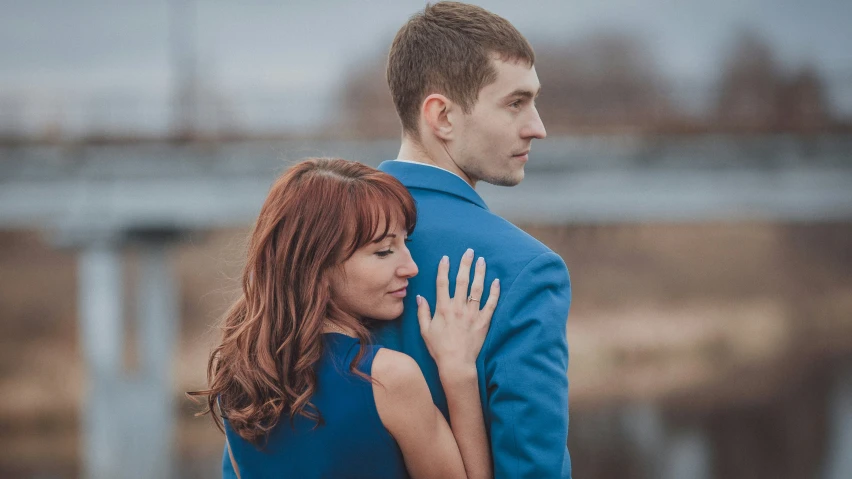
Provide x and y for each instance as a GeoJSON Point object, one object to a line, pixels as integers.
{"type": "Point", "coordinates": [102, 198]}
{"type": "Point", "coordinates": [569, 180]}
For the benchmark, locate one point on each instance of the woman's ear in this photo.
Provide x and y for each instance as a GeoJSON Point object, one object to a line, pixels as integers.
{"type": "Point", "coordinates": [436, 109]}
{"type": "Point", "coordinates": [332, 279]}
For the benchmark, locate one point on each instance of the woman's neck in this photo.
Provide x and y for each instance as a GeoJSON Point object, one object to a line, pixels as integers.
{"type": "Point", "coordinates": [331, 327]}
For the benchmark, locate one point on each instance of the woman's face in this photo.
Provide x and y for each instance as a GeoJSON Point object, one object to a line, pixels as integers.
{"type": "Point", "coordinates": [374, 281]}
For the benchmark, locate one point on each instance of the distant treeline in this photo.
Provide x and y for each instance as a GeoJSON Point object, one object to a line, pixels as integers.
{"type": "Point", "coordinates": [604, 83]}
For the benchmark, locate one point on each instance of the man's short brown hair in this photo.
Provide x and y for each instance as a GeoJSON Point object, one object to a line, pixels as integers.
{"type": "Point", "coordinates": [447, 48]}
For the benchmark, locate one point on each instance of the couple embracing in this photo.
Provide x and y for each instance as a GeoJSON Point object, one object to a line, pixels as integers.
{"type": "Point", "coordinates": [390, 325]}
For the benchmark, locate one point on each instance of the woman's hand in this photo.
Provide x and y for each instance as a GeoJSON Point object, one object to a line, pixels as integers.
{"type": "Point", "coordinates": [454, 336]}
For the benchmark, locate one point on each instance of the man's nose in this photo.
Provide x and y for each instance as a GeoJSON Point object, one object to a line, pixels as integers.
{"type": "Point", "coordinates": [535, 127]}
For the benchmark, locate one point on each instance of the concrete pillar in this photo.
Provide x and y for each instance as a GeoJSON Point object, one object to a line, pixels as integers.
{"type": "Point", "coordinates": [645, 431]}
{"type": "Point", "coordinates": [157, 328]}
{"type": "Point", "coordinates": [838, 463]}
{"type": "Point", "coordinates": [102, 337]}
{"type": "Point", "coordinates": [127, 419]}
{"type": "Point", "coordinates": [666, 451]}
{"type": "Point", "coordinates": [686, 455]}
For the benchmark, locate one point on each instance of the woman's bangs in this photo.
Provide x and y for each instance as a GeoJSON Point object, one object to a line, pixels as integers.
{"type": "Point", "coordinates": [377, 212]}
{"type": "Point", "coordinates": [372, 207]}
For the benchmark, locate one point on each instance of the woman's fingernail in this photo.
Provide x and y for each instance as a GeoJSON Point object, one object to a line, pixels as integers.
{"type": "Point", "coordinates": [480, 261]}
{"type": "Point", "coordinates": [468, 253]}
{"type": "Point", "coordinates": [497, 281]}
{"type": "Point", "coordinates": [445, 260]}
{"type": "Point", "coordinates": [419, 300]}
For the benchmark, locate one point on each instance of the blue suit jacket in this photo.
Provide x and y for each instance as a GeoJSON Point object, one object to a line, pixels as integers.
{"type": "Point", "coordinates": [523, 364]}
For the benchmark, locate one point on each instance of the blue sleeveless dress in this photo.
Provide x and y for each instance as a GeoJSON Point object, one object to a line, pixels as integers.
{"type": "Point", "coordinates": [352, 443]}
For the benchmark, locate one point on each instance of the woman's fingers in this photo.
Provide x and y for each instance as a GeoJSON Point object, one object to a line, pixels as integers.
{"type": "Point", "coordinates": [463, 278]}
{"type": "Point", "coordinates": [477, 286]}
{"type": "Point", "coordinates": [491, 304]}
{"type": "Point", "coordinates": [424, 316]}
{"type": "Point", "coordinates": [442, 283]}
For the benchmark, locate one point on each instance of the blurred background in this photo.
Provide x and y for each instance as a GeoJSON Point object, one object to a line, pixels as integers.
{"type": "Point", "coordinates": [696, 179]}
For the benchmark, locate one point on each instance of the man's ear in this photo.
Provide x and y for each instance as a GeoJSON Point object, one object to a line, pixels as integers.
{"type": "Point", "coordinates": [436, 109]}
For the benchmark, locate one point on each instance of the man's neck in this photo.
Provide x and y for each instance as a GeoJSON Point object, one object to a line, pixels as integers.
{"type": "Point", "coordinates": [413, 151]}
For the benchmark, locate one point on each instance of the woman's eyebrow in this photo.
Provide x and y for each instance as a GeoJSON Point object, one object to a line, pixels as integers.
{"type": "Point", "coordinates": [382, 238]}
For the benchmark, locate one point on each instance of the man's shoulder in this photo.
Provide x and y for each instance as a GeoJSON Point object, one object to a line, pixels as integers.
{"type": "Point", "coordinates": [506, 247]}
{"type": "Point", "coordinates": [510, 235]}
{"type": "Point", "coordinates": [485, 227]}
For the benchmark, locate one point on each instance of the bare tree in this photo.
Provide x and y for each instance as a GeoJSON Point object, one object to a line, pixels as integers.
{"type": "Point", "coordinates": [801, 102]}
{"type": "Point", "coordinates": [367, 110]}
{"type": "Point", "coordinates": [757, 94]}
{"type": "Point", "coordinates": [604, 81]}
{"type": "Point", "coordinates": [748, 85]}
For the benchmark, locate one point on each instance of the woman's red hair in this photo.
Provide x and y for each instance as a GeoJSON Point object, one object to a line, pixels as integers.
{"type": "Point", "coordinates": [317, 214]}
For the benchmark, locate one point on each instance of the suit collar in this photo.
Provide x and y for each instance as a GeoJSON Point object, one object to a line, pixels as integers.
{"type": "Point", "coordinates": [415, 175]}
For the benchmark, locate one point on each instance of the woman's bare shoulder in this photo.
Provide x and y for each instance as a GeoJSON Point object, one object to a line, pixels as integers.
{"type": "Point", "coordinates": [401, 393]}
{"type": "Point", "coordinates": [396, 371]}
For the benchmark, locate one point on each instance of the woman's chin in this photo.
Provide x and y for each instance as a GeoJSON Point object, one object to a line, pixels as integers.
{"type": "Point", "coordinates": [389, 314]}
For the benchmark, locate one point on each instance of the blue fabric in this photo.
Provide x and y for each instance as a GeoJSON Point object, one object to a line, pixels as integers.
{"type": "Point", "coordinates": [353, 443]}
{"type": "Point", "coordinates": [227, 468]}
{"type": "Point", "coordinates": [524, 362]}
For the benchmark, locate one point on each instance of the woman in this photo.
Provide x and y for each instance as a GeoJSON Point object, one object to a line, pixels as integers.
{"type": "Point", "coordinates": [295, 382]}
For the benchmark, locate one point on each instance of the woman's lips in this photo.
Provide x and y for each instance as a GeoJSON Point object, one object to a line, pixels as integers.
{"type": "Point", "coordinates": [400, 293]}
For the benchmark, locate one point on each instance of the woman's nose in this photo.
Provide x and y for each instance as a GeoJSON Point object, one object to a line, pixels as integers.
{"type": "Point", "coordinates": [408, 268]}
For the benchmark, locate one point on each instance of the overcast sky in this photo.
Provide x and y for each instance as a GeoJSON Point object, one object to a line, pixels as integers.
{"type": "Point", "coordinates": [298, 52]}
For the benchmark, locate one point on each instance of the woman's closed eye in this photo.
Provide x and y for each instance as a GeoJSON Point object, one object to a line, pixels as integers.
{"type": "Point", "coordinates": [389, 251]}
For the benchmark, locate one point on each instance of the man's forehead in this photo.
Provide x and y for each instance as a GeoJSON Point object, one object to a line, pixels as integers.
{"type": "Point", "coordinates": [513, 76]}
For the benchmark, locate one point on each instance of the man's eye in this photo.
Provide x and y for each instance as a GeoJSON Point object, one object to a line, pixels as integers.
{"type": "Point", "coordinates": [515, 104]}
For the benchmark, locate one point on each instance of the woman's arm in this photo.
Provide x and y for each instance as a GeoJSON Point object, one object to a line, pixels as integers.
{"type": "Point", "coordinates": [406, 409]}
{"type": "Point", "coordinates": [454, 338]}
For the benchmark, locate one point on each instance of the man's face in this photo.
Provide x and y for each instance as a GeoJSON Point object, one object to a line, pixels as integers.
{"type": "Point", "coordinates": [494, 139]}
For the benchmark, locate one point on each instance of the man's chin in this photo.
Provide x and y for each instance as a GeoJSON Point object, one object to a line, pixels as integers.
{"type": "Point", "coordinates": [513, 179]}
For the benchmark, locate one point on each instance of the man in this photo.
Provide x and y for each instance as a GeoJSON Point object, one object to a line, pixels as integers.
{"type": "Point", "coordinates": [464, 86]}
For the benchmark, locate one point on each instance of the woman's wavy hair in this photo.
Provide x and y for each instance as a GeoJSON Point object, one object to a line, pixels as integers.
{"type": "Point", "coordinates": [317, 214]}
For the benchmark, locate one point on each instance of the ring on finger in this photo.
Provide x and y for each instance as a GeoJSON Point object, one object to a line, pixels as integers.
{"type": "Point", "coordinates": [471, 298]}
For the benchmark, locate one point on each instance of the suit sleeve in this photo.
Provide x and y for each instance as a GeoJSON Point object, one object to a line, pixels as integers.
{"type": "Point", "coordinates": [526, 374]}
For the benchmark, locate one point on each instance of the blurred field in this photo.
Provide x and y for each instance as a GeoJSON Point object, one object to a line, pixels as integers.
{"type": "Point", "coordinates": [739, 327]}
